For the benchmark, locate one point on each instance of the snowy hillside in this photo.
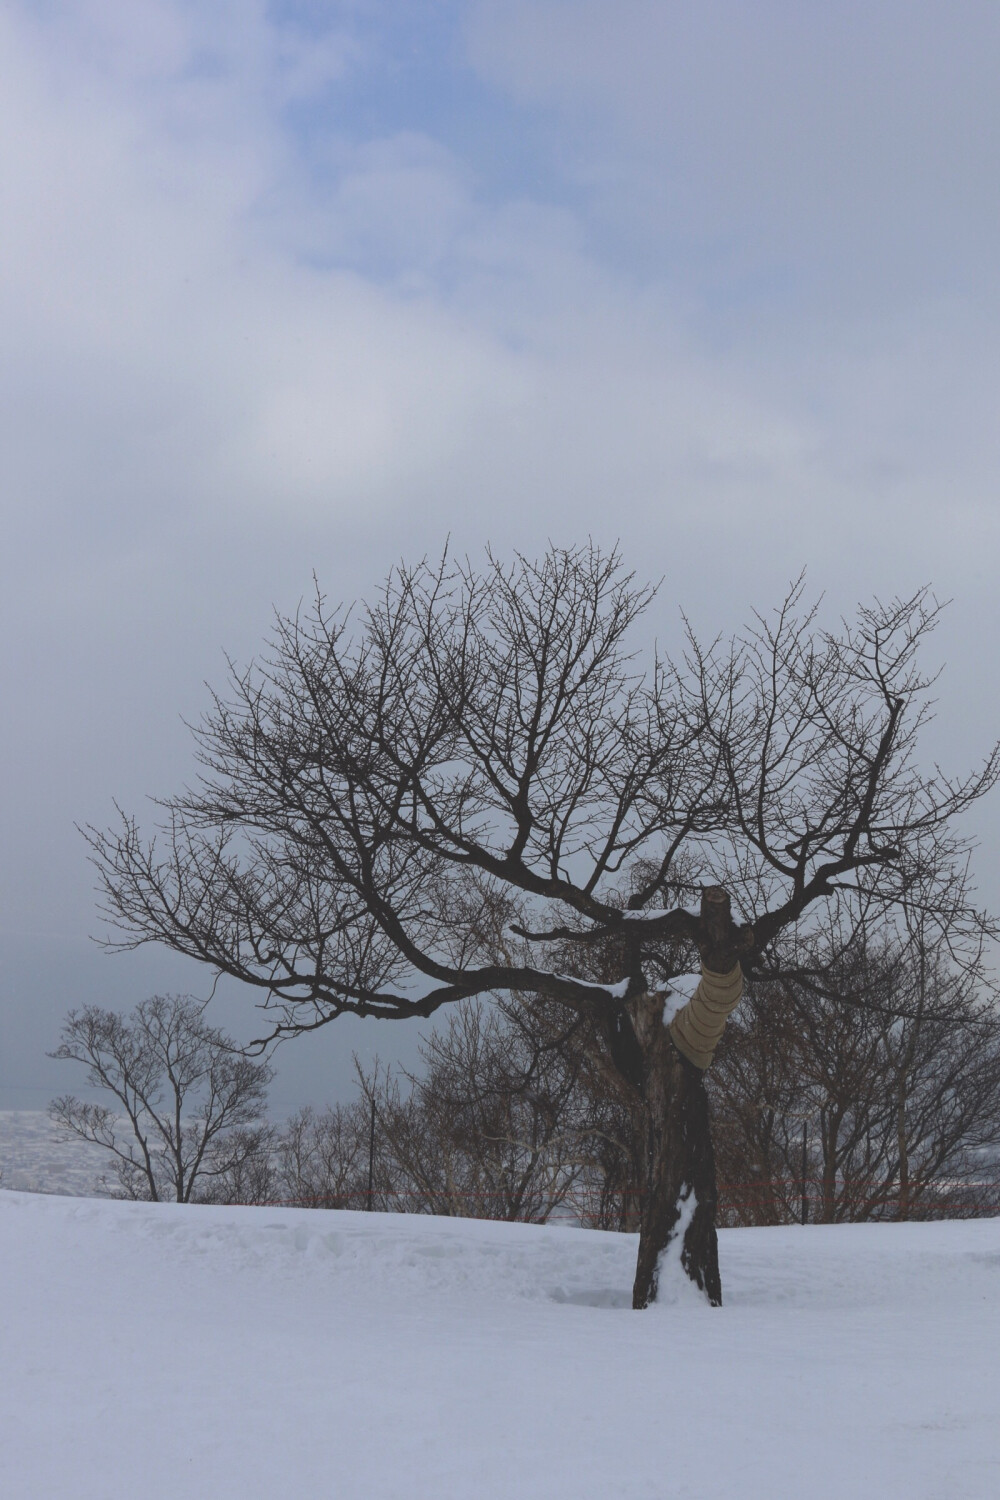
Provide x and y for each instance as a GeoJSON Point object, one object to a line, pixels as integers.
{"type": "Point", "coordinates": [158, 1351]}
{"type": "Point", "coordinates": [36, 1158]}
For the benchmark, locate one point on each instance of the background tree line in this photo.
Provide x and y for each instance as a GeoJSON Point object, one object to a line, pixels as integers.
{"type": "Point", "coordinates": [865, 1087]}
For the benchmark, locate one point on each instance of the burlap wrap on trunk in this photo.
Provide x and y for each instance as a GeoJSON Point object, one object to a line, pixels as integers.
{"type": "Point", "coordinates": [695, 1030]}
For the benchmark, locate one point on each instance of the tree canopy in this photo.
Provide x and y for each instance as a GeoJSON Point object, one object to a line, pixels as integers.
{"type": "Point", "coordinates": [412, 804]}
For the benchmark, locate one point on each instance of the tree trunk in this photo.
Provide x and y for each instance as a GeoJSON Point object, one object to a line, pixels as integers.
{"type": "Point", "coordinates": [903, 1210]}
{"type": "Point", "coordinates": [830, 1122]}
{"type": "Point", "coordinates": [679, 1195]}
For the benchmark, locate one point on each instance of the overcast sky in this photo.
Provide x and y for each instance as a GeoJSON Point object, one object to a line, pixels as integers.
{"type": "Point", "coordinates": [301, 287]}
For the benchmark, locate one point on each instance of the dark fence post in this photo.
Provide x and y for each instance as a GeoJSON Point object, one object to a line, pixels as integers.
{"type": "Point", "coordinates": [371, 1160]}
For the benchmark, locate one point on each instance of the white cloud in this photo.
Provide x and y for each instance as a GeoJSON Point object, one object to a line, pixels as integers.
{"type": "Point", "coordinates": [204, 325]}
{"type": "Point", "coordinates": [210, 321]}
{"type": "Point", "coordinates": [850, 148]}
{"type": "Point", "coordinates": [192, 313]}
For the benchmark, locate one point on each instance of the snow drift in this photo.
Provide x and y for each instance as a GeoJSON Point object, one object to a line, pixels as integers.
{"type": "Point", "coordinates": [165, 1351]}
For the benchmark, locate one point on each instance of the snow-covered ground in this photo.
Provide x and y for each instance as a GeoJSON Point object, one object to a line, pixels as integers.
{"type": "Point", "coordinates": [161, 1351]}
{"type": "Point", "coordinates": [36, 1158]}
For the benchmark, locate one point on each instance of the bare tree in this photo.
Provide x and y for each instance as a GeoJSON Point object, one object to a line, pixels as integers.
{"type": "Point", "coordinates": [759, 1111]}
{"type": "Point", "coordinates": [494, 1126]}
{"type": "Point", "coordinates": [507, 1119]}
{"type": "Point", "coordinates": [322, 1157]}
{"type": "Point", "coordinates": [187, 1103]}
{"type": "Point", "coordinates": [243, 1168]}
{"type": "Point", "coordinates": [490, 740]}
{"type": "Point", "coordinates": [885, 1059]}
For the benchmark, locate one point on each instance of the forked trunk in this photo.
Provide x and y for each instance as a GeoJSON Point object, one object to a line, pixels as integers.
{"type": "Point", "coordinates": [679, 1195]}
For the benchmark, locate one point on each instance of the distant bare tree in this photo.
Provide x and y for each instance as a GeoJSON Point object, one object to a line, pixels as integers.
{"type": "Point", "coordinates": [758, 1110]}
{"type": "Point", "coordinates": [243, 1168]}
{"type": "Point", "coordinates": [494, 1126]}
{"type": "Point", "coordinates": [321, 1157]}
{"type": "Point", "coordinates": [888, 1058]}
{"type": "Point", "coordinates": [187, 1102]}
{"type": "Point", "coordinates": [493, 731]}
